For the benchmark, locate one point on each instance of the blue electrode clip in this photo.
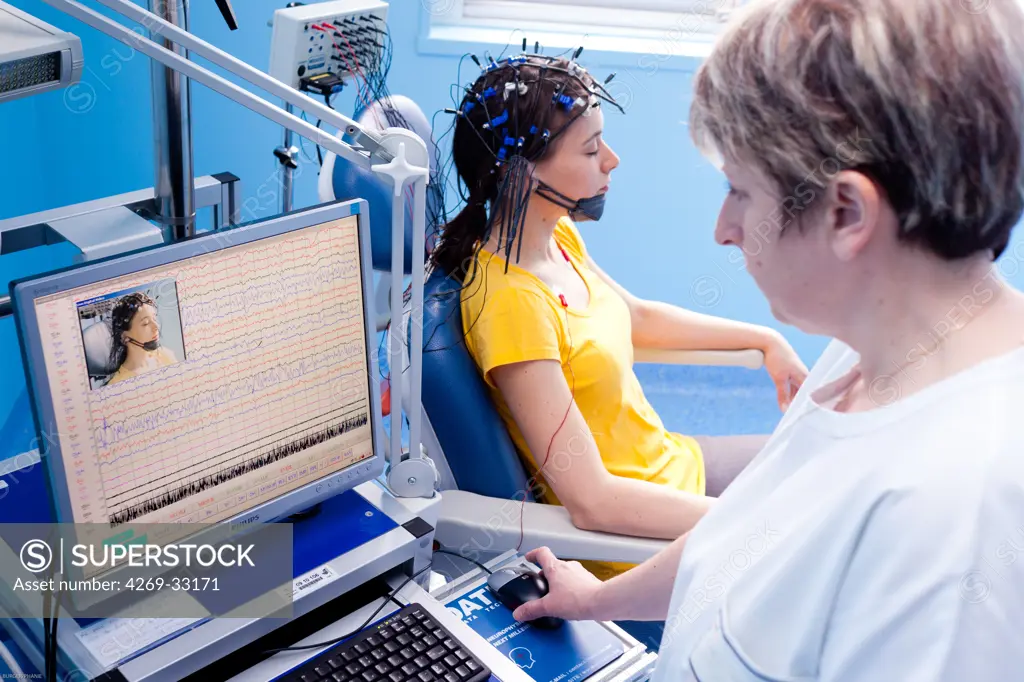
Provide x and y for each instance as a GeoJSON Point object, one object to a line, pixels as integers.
{"type": "Point", "coordinates": [496, 121]}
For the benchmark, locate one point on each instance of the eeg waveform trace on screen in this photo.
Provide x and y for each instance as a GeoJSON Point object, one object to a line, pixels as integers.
{"type": "Point", "coordinates": [234, 376]}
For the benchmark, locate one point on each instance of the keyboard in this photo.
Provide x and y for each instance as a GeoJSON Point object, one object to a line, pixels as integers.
{"type": "Point", "coordinates": [408, 646]}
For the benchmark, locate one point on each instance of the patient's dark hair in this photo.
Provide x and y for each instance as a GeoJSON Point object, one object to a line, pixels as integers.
{"type": "Point", "coordinates": [121, 321]}
{"type": "Point", "coordinates": [476, 149]}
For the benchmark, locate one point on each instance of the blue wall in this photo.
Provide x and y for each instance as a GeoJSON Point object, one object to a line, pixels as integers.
{"type": "Point", "coordinates": [656, 237]}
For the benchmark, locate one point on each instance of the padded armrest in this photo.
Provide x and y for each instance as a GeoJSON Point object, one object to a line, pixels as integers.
{"type": "Point", "coordinates": [469, 522]}
{"type": "Point", "coordinates": [750, 358]}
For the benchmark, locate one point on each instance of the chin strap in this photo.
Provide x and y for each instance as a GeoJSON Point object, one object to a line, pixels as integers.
{"type": "Point", "coordinates": [148, 345]}
{"type": "Point", "coordinates": [591, 207]}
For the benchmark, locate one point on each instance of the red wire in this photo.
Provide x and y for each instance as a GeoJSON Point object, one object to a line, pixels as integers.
{"type": "Point", "coordinates": [355, 58]}
{"type": "Point", "coordinates": [408, 190]}
{"type": "Point", "coordinates": [348, 66]}
{"type": "Point", "coordinates": [359, 68]}
{"type": "Point", "coordinates": [572, 399]}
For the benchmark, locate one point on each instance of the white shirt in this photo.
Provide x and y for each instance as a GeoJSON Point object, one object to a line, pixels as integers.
{"type": "Point", "coordinates": [878, 546]}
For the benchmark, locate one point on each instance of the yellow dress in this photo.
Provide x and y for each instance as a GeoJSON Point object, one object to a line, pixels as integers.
{"type": "Point", "coordinates": [514, 317]}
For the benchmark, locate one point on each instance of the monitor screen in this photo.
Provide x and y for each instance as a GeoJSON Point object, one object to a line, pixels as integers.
{"type": "Point", "coordinates": [201, 388]}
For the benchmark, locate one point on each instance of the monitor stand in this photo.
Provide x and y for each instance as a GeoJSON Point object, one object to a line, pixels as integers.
{"type": "Point", "coordinates": [305, 513]}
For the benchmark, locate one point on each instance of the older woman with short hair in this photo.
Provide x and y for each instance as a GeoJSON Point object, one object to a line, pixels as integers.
{"type": "Point", "coordinates": [874, 153]}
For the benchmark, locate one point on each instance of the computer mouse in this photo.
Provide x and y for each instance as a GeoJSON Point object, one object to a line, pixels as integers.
{"type": "Point", "coordinates": [515, 586]}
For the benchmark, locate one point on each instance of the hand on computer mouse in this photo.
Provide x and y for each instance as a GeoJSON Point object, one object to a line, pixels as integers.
{"type": "Point", "coordinates": [570, 594]}
{"type": "Point", "coordinates": [519, 585]}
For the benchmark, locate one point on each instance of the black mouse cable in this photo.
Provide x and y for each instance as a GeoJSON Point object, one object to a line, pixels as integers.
{"type": "Point", "coordinates": [384, 602]}
{"type": "Point", "coordinates": [466, 558]}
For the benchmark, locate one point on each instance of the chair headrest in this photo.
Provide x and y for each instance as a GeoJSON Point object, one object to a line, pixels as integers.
{"type": "Point", "coordinates": [348, 181]}
{"type": "Point", "coordinates": [476, 444]}
{"type": "Point", "coordinates": [97, 341]}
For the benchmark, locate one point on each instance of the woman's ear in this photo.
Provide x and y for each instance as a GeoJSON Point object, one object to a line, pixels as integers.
{"type": "Point", "coordinates": [854, 207]}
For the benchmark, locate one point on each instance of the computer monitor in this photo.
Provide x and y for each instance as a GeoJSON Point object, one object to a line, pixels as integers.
{"type": "Point", "coordinates": [224, 378]}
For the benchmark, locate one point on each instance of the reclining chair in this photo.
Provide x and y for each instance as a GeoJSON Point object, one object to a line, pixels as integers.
{"type": "Point", "coordinates": [487, 472]}
{"type": "Point", "coordinates": [97, 342]}
{"type": "Point", "coordinates": [487, 507]}
{"type": "Point", "coordinates": [482, 478]}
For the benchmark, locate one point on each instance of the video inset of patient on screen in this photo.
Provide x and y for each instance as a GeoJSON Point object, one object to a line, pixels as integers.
{"type": "Point", "coordinates": [130, 333]}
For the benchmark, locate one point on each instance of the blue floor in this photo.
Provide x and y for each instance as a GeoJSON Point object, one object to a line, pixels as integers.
{"type": "Point", "coordinates": [711, 401]}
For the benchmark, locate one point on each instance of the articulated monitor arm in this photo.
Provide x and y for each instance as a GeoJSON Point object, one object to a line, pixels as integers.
{"type": "Point", "coordinates": [395, 153]}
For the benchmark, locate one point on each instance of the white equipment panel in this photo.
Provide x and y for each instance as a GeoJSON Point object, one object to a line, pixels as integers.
{"type": "Point", "coordinates": [336, 37]}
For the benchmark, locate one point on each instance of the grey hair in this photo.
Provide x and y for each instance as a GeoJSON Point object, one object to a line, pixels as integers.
{"type": "Point", "coordinates": [925, 97]}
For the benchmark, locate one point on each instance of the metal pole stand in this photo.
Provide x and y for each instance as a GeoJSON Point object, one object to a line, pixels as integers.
{"type": "Point", "coordinates": [411, 474]}
{"type": "Point", "coordinates": [172, 133]}
{"type": "Point", "coordinates": [287, 155]}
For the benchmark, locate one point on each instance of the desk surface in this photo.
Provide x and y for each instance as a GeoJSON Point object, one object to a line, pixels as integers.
{"type": "Point", "coordinates": [504, 669]}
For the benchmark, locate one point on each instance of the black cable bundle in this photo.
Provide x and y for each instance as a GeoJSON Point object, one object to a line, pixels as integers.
{"type": "Point", "coordinates": [368, 55]}
{"type": "Point", "coordinates": [51, 613]}
{"type": "Point", "coordinates": [515, 190]}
